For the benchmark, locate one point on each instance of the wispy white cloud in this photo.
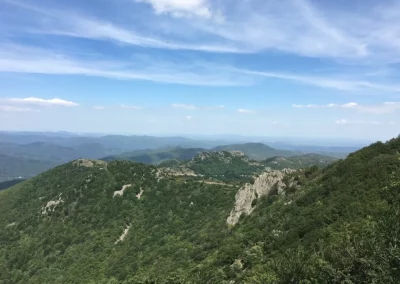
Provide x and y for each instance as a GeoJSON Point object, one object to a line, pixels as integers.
{"type": "Point", "coordinates": [195, 107]}
{"type": "Point", "coordinates": [77, 25]}
{"type": "Point", "coordinates": [22, 59]}
{"type": "Point", "coordinates": [179, 8]}
{"type": "Point", "coordinates": [315, 106]}
{"type": "Point", "coordinates": [188, 117]}
{"type": "Point", "coordinates": [349, 105]}
{"type": "Point", "coordinates": [345, 121]}
{"type": "Point", "coordinates": [383, 108]}
{"type": "Point", "coordinates": [99, 107]}
{"type": "Point", "coordinates": [326, 82]}
{"type": "Point", "coordinates": [247, 111]}
{"type": "Point", "coordinates": [299, 27]}
{"type": "Point", "coordinates": [41, 102]}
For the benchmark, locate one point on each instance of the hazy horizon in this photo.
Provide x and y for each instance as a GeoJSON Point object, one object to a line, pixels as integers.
{"type": "Point", "coordinates": [223, 137]}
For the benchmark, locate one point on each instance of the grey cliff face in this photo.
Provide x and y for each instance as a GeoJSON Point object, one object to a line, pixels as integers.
{"type": "Point", "coordinates": [262, 186]}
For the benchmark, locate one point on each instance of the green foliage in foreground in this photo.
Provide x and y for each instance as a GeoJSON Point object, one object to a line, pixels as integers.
{"type": "Point", "coordinates": [342, 226]}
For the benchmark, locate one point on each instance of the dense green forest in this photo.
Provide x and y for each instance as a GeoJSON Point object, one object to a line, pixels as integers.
{"type": "Point", "coordinates": [157, 156]}
{"type": "Point", "coordinates": [235, 166]}
{"type": "Point", "coordinates": [340, 226]}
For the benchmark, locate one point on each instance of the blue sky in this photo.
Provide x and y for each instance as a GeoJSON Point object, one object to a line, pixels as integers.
{"type": "Point", "coordinates": [252, 67]}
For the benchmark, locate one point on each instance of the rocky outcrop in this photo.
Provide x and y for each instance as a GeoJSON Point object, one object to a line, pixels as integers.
{"type": "Point", "coordinates": [88, 163]}
{"type": "Point", "coordinates": [178, 171]}
{"type": "Point", "coordinates": [237, 153]}
{"type": "Point", "coordinates": [139, 195]}
{"type": "Point", "coordinates": [124, 234]}
{"type": "Point", "coordinates": [121, 192]}
{"type": "Point", "coordinates": [222, 156]}
{"type": "Point", "coordinates": [51, 205]}
{"type": "Point", "coordinates": [245, 197]}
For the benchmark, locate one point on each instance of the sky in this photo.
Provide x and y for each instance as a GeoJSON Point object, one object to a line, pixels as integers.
{"type": "Point", "coordinates": [294, 68]}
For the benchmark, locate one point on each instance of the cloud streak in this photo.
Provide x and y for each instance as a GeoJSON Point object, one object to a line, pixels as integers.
{"type": "Point", "coordinates": [22, 59]}
{"type": "Point", "coordinates": [301, 28]}
{"type": "Point", "coordinates": [246, 111]}
{"type": "Point", "coordinates": [346, 122]}
{"type": "Point", "coordinates": [177, 8]}
{"type": "Point", "coordinates": [298, 27]}
{"type": "Point", "coordinates": [326, 82]}
{"type": "Point", "coordinates": [42, 102]}
{"type": "Point", "coordinates": [194, 107]}
{"type": "Point", "coordinates": [383, 108]}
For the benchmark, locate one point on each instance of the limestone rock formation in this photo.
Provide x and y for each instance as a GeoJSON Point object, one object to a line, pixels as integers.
{"type": "Point", "coordinates": [51, 205]}
{"type": "Point", "coordinates": [250, 192]}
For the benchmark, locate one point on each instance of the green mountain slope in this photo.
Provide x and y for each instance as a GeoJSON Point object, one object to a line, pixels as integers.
{"type": "Point", "coordinates": [153, 157]}
{"type": "Point", "coordinates": [174, 224]}
{"type": "Point", "coordinates": [225, 166]}
{"type": "Point", "coordinates": [256, 151]}
{"type": "Point", "coordinates": [124, 222]}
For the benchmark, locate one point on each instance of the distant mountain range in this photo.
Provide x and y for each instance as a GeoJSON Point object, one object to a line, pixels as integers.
{"type": "Point", "coordinates": [12, 167]}
{"type": "Point", "coordinates": [254, 151]}
{"type": "Point", "coordinates": [27, 154]}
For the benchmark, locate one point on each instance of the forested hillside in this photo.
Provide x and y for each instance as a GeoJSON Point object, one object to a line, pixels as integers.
{"type": "Point", "coordinates": [157, 156]}
{"type": "Point", "coordinates": [124, 222]}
